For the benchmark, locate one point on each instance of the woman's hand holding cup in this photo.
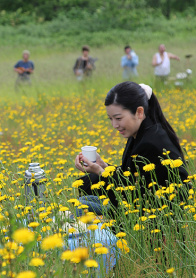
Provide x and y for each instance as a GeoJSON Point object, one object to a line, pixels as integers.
{"type": "Point", "coordinates": [90, 161]}
{"type": "Point", "coordinates": [85, 165]}
{"type": "Point", "coordinates": [100, 161]}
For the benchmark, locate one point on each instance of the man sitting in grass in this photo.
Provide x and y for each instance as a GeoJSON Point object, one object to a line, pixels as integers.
{"type": "Point", "coordinates": [84, 65]}
{"type": "Point", "coordinates": [24, 68]}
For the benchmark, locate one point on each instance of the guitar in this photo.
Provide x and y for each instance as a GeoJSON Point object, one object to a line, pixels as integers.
{"type": "Point", "coordinates": [23, 70]}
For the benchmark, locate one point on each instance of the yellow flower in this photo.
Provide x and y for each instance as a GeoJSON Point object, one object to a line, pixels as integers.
{"type": "Point", "coordinates": [160, 193]}
{"type": "Point", "coordinates": [92, 227]}
{"type": "Point", "coordinates": [151, 184]}
{"type": "Point", "coordinates": [80, 254]}
{"type": "Point", "coordinates": [58, 180]}
{"type": "Point", "coordinates": [109, 186]}
{"type": "Point", "coordinates": [23, 236]}
{"type": "Point", "coordinates": [126, 173]}
{"type": "Point", "coordinates": [170, 270]}
{"type": "Point", "coordinates": [97, 185]}
{"type": "Point", "coordinates": [33, 224]}
{"type": "Point", "coordinates": [166, 152]}
{"type": "Point", "coordinates": [134, 155]}
{"type": "Point", "coordinates": [166, 162]}
{"type": "Point", "coordinates": [149, 167]}
{"type": "Point", "coordinates": [87, 218]}
{"type": "Point", "coordinates": [101, 250]}
{"type": "Point", "coordinates": [155, 231]}
{"type": "Point", "coordinates": [110, 168]}
{"type": "Point", "coordinates": [152, 216]}
{"type": "Point", "coordinates": [77, 183]}
{"type": "Point", "coordinates": [96, 245]}
{"type": "Point", "coordinates": [84, 272]}
{"type": "Point", "coordinates": [191, 191]}
{"type": "Point", "coordinates": [122, 244]}
{"type": "Point", "coordinates": [67, 255]}
{"type": "Point", "coordinates": [138, 227]}
{"type": "Point", "coordinates": [63, 208]}
{"type": "Point", "coordinates": [106, 174]}
{"type": "Point", "coordinates": [158, 249]}
{"type": "Point", "coordinates": [143, 218]}
{"type": "Point", "coordinates": [119, 188]}
{"type": "Point", "coordinates": [11, 245]}
{"type": "Point", "coordinates": [170, 189]}
{"type": "Point", "coordinates": [106, 201]}
{"type": "Point", "coordinates": [186, 180]}
{"type": "Point", "coordinates": [108, 171]}
{"type": "Point", "coordinates": [26, 274]}
{"type": "Point", "coordinates": [130, 187]}
{"type": "Point", "coordinates": [46, 228]}
{"type": "Point", "coordinates": [91, 263]}
{"type": "Point", "coordinates": [121, 234]}
{"type": "Point", "coordinates": [83, 207]}
{"type": "Point", "coordinates": [72, 201]}
{"type": "Point", "coordinates": [176, 163]}
{"type": "Point", "coordinates": [36, 262]}
{"type": "Point", "coordinates": [71, 230]}
{"type": "Point", "coordinates": [52, 242]}
{"type": "Point", "coordinates": [172, 196]}
{"type": "Point", "coordinates": [102, 197]}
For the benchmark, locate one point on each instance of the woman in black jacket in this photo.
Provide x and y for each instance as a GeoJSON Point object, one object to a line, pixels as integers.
{"type": "Point", "coordinates": [135, 112]}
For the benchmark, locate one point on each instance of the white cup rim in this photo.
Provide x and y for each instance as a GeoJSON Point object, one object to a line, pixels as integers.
{"type": "Point", "coordinates": [89, 148]}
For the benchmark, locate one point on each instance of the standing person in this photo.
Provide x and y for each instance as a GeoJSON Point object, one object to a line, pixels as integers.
{"type": "Point", "coordinates": [161, 63]}
{"type": "Point", "coordinates": [84, 65]}
{"type": "Point", "coordinates": [129, 63]}
{"type": "Point", "coordinates": [24, 68]}
{"type": "Point", "coordinates": [135, 112]}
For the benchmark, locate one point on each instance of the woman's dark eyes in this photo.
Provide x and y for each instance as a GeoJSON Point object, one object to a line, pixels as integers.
{"type": "Point", "coordinates": [118, 119]}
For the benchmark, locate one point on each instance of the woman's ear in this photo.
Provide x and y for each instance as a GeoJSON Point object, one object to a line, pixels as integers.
{"type": "Point", "coordinates": [140, 112]}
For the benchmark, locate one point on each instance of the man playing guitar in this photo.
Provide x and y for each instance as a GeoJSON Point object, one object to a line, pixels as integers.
{"type": "Point", "coordinates": [24, 68]}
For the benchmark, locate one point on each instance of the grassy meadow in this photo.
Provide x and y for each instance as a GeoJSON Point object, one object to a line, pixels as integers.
{"type": "Point", "coordinates": [49, 123]}
{"type": "Point", "coordinates": [51, 130]}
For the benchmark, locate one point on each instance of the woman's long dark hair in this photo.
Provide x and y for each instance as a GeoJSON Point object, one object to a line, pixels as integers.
{"type": "Point", "coordinates": [131, 95]}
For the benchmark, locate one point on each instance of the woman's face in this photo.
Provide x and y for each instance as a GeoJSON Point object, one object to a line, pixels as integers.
{"type": "Point", "coordinates": [124, 121]}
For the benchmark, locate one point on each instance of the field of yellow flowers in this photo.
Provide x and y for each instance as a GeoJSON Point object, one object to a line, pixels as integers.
{"type": "Point", "coordinates": [39, 239]}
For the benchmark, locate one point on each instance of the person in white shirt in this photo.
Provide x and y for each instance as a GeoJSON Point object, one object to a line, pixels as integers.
{"type": "Point", "coordinates": [161, 63]}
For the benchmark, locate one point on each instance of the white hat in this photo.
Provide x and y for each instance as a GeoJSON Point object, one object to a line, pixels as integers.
{"type": "Point", "coordinates": [26, 52]}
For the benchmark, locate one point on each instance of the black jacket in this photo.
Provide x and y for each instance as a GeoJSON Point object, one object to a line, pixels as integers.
{"type": "Point", "coordinates": [149, 143]}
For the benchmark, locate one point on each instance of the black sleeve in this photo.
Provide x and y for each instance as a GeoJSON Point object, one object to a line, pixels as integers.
{"type": "Point", "coordinates": [160, 174]}
{"type": "Point", "coordinates": [76, 65]}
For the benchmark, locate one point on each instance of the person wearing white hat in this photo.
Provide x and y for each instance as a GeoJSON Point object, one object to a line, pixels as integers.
{"type": "Point", "coordinates": [24, 68]}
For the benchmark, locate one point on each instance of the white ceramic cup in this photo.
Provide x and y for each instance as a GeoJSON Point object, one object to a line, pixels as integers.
{"type": "Point", "coordinates": [90, 153]}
